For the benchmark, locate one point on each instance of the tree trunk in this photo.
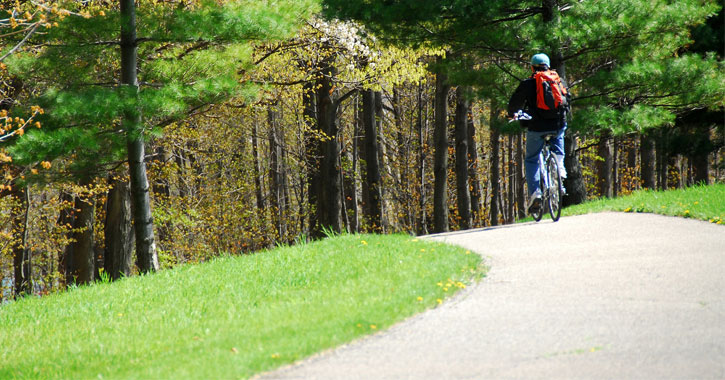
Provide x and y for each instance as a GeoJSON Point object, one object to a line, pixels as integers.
{"type": "Point", "coordinates": [495, 171]}
{"type": "Point", "coordinates": [576, 191]}
{"type": "Point", "coordinates": [258, 191]}
{"type": "Point", "coordinates": [521, 192]}
{"type": "Point", "coordinates": [422, 132]}
{"type": "Point", "coordinates": [604, 167]}
{"type": "Point", "coordinates": [648, 162]}
{"type": "Point", "coordinates": [373, 209]}
{"type": "Point", "coordinates": [701, 169]}
{"type": "Point", "coordinates": [511, 176]}
{"type": "Point", "coordinates": [463, 108]}
{"type": "Point", "coordinates": [440, 165]}
{"type": "Point", "coordinates": [353, 191]}
{"type": "Point", "coordinates": [329, 202]}
{"type": "Point", "coordinates": [615, 166]}
{"type": "Point", "coordinates": [402, 170]}
{"type": "Point", "coordinates": [118, 253]}
{"type": "Point", "coordinates": [276, 174]}
{"type": "Point", "coordinates": [474, 180]}
{"type": "Point", "coordinates": [82, 259]}
{"type": "Point", "coordinates": [21, 254]}
{"type": "Point", "coordinates": [383, 165]}
{"type": "Point", "coordinates": [313, 151]}
{"type": "Point", "coordinates": [663, 161]}
{"type": "Point", "coordinates": [143, 223]}
{"type": "Point", "coordinates": [65, 221]}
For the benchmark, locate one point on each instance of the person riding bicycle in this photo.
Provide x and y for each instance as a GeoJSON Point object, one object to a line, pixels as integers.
{"type": "Point", "coordinates": [541, 124]}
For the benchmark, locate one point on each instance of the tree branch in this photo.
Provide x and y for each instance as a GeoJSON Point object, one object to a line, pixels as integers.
{"type": "Point", "coordinates": [22, 42]}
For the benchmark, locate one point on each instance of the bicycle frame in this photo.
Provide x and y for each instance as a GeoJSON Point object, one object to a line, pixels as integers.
{"type": "Point", "coordinates": [549, 182]}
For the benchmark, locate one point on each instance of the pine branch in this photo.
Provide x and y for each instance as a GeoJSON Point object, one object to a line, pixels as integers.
{"type": "Point", "coordinates": [609, 92]}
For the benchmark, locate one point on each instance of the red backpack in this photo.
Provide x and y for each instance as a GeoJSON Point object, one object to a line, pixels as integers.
{"type": "Point", "coordinates": [551, 97]}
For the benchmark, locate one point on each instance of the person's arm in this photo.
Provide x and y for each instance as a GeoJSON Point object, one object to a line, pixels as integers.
{"type": "Point", "coordinates": [517, 101]}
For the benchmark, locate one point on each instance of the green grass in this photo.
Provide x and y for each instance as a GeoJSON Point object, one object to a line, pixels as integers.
{"type": "Point", "coordinates": [698, 202]}
{"type": "Point", "coordinates": [232, 317]}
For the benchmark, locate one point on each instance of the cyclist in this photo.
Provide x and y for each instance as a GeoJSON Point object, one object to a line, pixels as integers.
{"type": "Point", "coordinates": [524, 98]}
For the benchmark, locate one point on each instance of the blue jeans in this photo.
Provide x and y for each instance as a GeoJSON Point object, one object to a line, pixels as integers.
{"type": "Point", "coordinates": [534, 143]}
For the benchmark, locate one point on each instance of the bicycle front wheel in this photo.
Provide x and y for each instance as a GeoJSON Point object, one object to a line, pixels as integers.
{"type": "Point", "coordinates": [555, 193]}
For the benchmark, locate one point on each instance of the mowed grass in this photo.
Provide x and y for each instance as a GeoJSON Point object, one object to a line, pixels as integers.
{"type": "Point", "coordinates": [698, 202]}
{"type": "Point", "coordinates": [233, 317]}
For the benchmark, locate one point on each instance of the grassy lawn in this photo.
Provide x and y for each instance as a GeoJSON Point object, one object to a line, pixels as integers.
{"type": "Point", "coordinates": [698, 202]}
{"type": "Point", "coordinates": [232, 317]}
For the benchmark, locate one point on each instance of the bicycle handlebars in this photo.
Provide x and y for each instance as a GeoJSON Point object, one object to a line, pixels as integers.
{"type": "Point", "coordinates": [520, 115]}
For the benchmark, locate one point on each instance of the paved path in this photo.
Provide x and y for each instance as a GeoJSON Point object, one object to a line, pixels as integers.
{"type": "Point", "coordinates": [616, 296]}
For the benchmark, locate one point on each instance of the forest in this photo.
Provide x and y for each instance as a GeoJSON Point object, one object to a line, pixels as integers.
{"type": "Point", "coordinates": [142, 135]}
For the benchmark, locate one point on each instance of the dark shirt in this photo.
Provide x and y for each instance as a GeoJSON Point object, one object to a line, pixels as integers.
{"type": "Point", "coordinates": [524, 98]}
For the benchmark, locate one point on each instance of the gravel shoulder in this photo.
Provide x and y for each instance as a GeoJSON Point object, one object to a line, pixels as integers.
{"type": "Point", "coordinates": [610, 295]}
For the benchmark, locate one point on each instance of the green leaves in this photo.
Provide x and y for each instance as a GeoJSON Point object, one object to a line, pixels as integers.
{"type": "Point", "coordinates": [237, 20]}
{"type": "Point", "coordinates": [189, 57]}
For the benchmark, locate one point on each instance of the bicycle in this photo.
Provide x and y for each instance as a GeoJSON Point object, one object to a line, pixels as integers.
{"type": "Point", "coordinates": [549, 177]}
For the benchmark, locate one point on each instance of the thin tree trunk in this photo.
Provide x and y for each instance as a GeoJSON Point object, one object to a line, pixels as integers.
{"type": "Point", "coordinates": [401, 174]}
{"type": "Point", "coordinates": [512, 184]}
{"type": "Point", "coordinates": [313, 151]}
{"type": "Point", "coordinates": [495, 172]}
{"type": "Point", "coordinates": [258, 191]}
{"type": "Point", "coordinates": [663, 161]}
{"type": "Point", "coordinates": [21, 254]}
{"type": "Point", "coordinates": [615, 166]}
{"type": "Point", "coordinates": [276, 174]}
{"type": "Point", "coordinates": [463, 108]}
{"type": "Point", "coordinates": [440, 165]}
{"type": "Point", "coordinates": [474, 180]}
{"type": "Point", "coordinates": [65, 221]}
{"type": "Point", "coordinates": [357, 132]}
{"type": "Point", "coordinates": [422, 132]}
{"type": "Point", "coordinates": [373, 209]}
{"type": "Point", "coordinates": [140, 200]}
{"type": "Point", "coordinates": [604, 167]}
{"type": "Point", "coordinates": [118, 253]}
{"type": "Point", "coordinates": [520, 177]}
{"type": "Point", "coordinates": [383, 164]}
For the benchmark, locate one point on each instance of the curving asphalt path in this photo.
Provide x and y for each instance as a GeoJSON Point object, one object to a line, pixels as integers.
{"type": "Point", "coordinates": [612, 295]}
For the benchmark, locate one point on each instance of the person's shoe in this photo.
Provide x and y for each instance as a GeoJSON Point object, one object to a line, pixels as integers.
{"type": "Point", "coordinates": [534, 201]}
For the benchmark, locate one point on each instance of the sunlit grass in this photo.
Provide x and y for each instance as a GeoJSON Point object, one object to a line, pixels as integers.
{"type": "Point", "coordinates": [233, 317]}
{"type": "Point", "coordinates": [698, 202]}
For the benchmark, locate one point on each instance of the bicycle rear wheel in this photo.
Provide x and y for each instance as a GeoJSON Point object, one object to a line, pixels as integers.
{"type": "Point", "coordinates": [538, 212]}
{"type": "Point", "coordinates": [555, 193]}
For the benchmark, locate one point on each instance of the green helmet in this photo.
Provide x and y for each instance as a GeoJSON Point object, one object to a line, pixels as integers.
{"type": "Point", "coordinates": [540, 59]}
